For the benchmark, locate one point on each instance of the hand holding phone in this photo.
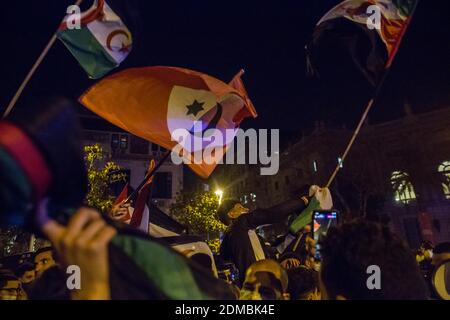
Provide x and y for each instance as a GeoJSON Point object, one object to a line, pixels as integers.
{"type": "Point", "coordinates": [322, 221]}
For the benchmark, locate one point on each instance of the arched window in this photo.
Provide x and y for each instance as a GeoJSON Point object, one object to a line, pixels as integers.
{"type": "Point", "coordinates": [403, 188]}
{"type": "Point", "coordinates": [444, 169]}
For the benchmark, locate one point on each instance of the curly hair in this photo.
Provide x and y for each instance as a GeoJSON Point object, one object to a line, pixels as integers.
{"type": "Point", "coordinates": [348, 250]}
{"type": "Point", "coordinates": [302, 281]}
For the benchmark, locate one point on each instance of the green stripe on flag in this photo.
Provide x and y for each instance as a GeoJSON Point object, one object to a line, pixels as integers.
{"type": "Point", "coordinates": [88, 51]}
{"type": "Point", "coordinates": [405, 6]}
{"type": "Point", "coordinates": [305, 217]}
{"type": "Point", "coordinates": [165, 269]}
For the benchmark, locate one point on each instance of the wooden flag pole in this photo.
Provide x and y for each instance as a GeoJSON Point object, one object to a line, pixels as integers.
{"type": "Point", "coordinates": [352, 141]}
{"type": "Point", "coordinates": [33, 69]}
{"type": "Point", "coordinates": [370, 104]}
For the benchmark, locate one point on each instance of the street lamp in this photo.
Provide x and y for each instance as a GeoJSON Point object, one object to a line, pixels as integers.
{"type": "Point", "coordinates": [219, 193]}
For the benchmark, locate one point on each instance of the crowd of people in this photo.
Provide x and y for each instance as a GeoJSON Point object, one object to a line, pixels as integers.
{"type": "Point", "coordinates": [43, 186]}
{"type": "Point", "coordinates": [346, 253]}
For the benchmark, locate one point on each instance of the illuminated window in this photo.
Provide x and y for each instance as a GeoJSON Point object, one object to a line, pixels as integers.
{"type": "Point", "coordinates": [403, 188]}
{"type": "Point", "coordinates": [123, 141]}
{"type": "Point", "coordinates": [444, 169]}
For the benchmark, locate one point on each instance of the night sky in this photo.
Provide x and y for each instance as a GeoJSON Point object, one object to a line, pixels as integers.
{"type": "Point", "coordinates": [267, 39]}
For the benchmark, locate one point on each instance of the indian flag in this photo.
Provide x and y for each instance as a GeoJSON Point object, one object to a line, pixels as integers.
{"type": "Point", "coordinates": [346, 27]}
{"type": "Point", "coordinates": [101, 43]}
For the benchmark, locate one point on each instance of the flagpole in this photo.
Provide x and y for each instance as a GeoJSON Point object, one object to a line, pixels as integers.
{"type": "Point", "coordinates": [33, 69]}
{"type": "Point", "coordinates": [148, 176]}
{"type": "Point", "coordinates": [352, 141]}
{"type": "Point", "coordinates": [371, 102]}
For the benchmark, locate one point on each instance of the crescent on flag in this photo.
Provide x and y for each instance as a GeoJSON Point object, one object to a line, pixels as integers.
{"type": "Point", "coordinates": [214, 121]}
{"type": "Point", "coordinates": [125, 47]}
{"type": "Point", "coordinates": [94, 43]}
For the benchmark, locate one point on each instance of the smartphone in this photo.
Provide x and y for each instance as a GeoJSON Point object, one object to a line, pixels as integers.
{"type": "Point", "coordinates": [322, 221]}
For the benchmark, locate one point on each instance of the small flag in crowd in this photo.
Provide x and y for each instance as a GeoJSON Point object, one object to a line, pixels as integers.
{"type": "Point", "coordinates": [120, 199]}
{"type": "Point", "coordinates": [155, 102]}
{"type": "Point", "coordinates": [349, 26]}
{"type": "Point", "coordinates": [101, 43]}
{"type": "Point", "coordinates": [137, 215]}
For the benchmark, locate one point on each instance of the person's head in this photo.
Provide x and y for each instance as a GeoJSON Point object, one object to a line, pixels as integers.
{"type": "Point", "coordinates": [229, 210]}
{"type": "Point", "coordinates": [10, 287]}
{"type": "Point", "coordinates": [26, 273]}
{"type": "Point", "coordinates": [426, 245]}
{"type": "Point", "coordinates": [43, 260]}
{"type": "Point", "coordinates": [203, 259]}
{"type": "Point", "coordinates": [235, 290]}
{"type": "Point", "coordinates": [426, 250]}
{"type": "Point", "coordinates": [441, 253]}
{"type": "Point", "coordinates": [303, 284]}
{"type": "Point", "coordinates": [51, 285]}
{"type": "Point", "coordinates": [351, 255]}
{"type": "Point", "coordinates": [265, 280]}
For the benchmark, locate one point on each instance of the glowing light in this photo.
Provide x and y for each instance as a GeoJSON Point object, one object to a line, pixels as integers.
{"type": "Point", "coordinates": [219, 193]}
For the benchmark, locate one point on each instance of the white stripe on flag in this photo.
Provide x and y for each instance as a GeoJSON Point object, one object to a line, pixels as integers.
{"type": "Point", "coordinates": [101, 29]}
{"type": "Point", "coordinates": [145, 221]}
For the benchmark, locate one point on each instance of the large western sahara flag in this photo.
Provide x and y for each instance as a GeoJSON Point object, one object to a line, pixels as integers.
{"type": "Point", "coordinates": [101, 43]}
{"type": "Point", "coordinates": [162, 104]}
{"type": "Point", "coordinates": [345, 29]}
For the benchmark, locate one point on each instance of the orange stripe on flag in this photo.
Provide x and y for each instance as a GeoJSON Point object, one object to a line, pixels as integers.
{"type": "Point", "coordinates": [147, 101]}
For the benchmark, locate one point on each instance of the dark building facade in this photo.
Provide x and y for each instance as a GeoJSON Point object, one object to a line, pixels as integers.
{"type": "Point", "coordinates": [133, 155]}
{"type": "Point", "coordinates": [398, 169]}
